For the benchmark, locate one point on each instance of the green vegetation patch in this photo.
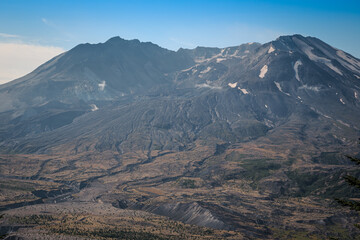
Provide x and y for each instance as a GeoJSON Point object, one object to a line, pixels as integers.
{"type": "Point", "coordinates": [332, 158]}
{"type": "Point", "coordinates": [257, 169]}
{"type": "Point", "coordinates": [254, 168]}
{"type": "Point", "coordinates": [323, 184]}
{"type": "Point", "coordinates": [187, 183]}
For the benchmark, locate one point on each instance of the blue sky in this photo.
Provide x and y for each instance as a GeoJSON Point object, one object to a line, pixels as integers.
{"type": "Point", "coordinates": [173, 24]}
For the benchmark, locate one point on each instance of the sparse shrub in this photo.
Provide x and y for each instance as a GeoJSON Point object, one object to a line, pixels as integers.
{"type": "Point", "coordinates": [188, 183]}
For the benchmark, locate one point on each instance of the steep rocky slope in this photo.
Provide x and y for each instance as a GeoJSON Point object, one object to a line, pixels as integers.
{"type": "Point", "coordinates": [248, 138]}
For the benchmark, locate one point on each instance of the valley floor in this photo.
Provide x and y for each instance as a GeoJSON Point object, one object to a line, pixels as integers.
{"type": "Point", "coordinates": [209, 191]}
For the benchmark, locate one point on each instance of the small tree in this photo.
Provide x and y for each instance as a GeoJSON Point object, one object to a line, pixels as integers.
{"type": "Point", "coordinates": [355, 182]}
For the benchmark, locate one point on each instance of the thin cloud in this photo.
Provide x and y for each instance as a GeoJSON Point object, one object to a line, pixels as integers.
{"type": "Point", "coordinates": [44, 20]}
{"type": "Point", "coordinates": [18, 59]}
{"type": "Point", "coordinates": [48, 22]}
{"type": "Point", "coordinates": [58, 28]}
{"type": "Point", "coordinates": [252, 33]}
{"type": "Point", "coordinates": [6, 35]}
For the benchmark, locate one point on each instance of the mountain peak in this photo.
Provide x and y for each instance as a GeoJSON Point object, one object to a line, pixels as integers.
{"type": "Point", "coordinates": [114, 39]}
{"type": "Point", "coordinates": [119, 40]}
{"type": "Point", "coordinates": [289, 37]}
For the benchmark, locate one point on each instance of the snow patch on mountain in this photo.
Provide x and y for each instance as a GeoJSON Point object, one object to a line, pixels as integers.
{"type": "Point", "coordinates": [356, 95]}
{"type": "Point", "coordinates": [312, 88]}
{"type": "Point", "coordinates": [206, 70]}
{"type": "Point", "coordinates": [296, 69]}
{"type": "Point", "coordinates": [205, 85]}
{"type": "Point", "coordinates": [358, 77]}
{"type": "Point", "coordinates": [188, 69]}
{"type": "Point", "coordinates": [102, 85]}
{"type": "Point", "coordinates": [232, 85]}
{"type": "Point", "coordinates": [220, 59]}
{"type": "Point", "coordinates": [93, 107]}
{"type": "Point", "coordinates": [269, 123]}
{"type": "Point", "coordinates": [263, 71]}
{"type": "Point", "coordinates": [308, 51]}
{"type": "Point", "coordinates": [235, 53]}
{"type": "Point", "coordinates": [332, 67]}
{"type": "Point", "coordinates": [244, 91]}
{"type": "Point", "coordinates": [348, 59]}
{"type": "Point", "coordinates": [343, 123]}
{"type": "Point", "coordinates": [320, 113]}
{"type": "Point", "coordinates": [280, 89]}
{"type": "Point", "coordinates": [271, 49]}
{"type": "Point", "coordinates": [342, 101]}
